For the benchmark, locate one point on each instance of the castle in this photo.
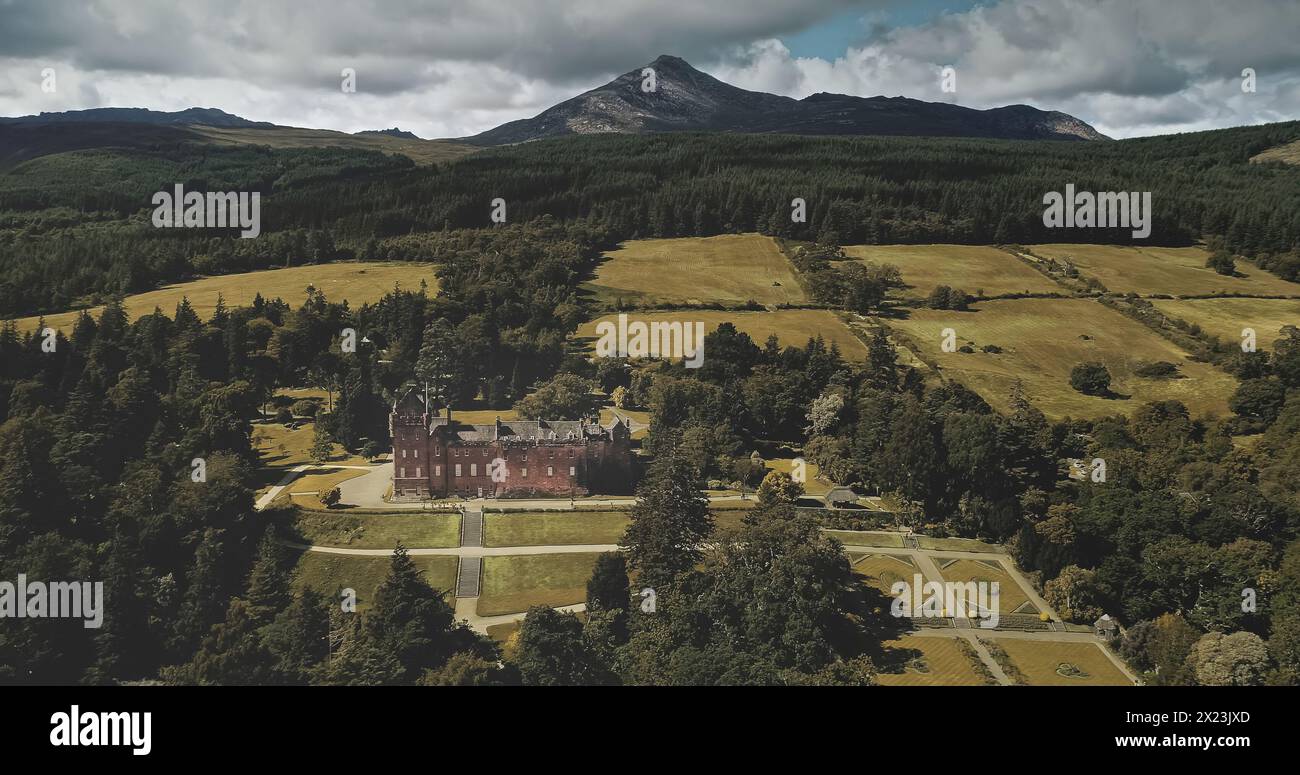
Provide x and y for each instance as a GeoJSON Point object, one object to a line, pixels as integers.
{"type": "Point", "coordinates": [435, 456]}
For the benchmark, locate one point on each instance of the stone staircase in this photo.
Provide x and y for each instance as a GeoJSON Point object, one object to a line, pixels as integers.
{"type": "Point", "coordinates": [471, 528]}
{"type": "Point", "coordinates": [467, 577]}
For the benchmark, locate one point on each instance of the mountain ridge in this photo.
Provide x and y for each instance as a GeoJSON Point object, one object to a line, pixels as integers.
{"type": "Point", "coordinates": [686, 99]}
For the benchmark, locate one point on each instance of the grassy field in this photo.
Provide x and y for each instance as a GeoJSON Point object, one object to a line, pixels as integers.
{"type": "Point", "coordinates": [882, 570]}
{"type": "Point", "coordinates": [1046, 663]}
{"type": "Point", "coordinates": [1043, 339]}
{"type": "Point", "coordinates": [859, 538]}
{"type": "Point", "coordinates": [813, 485]}
{"type": "Point", "coordinates": [321, 480]}
{"type": "Point", "coordinates": [379, 531]}
{"type": "Point", "coordinates": [1011, 598]}
{"type": "Point", "coordinates": [1287, 153]}
{"type": "Point", "coordinates": [956, 545]}
{"type": "Point", "coordinates": [691, 270]}
{"type": "Point", "coordinates": [1226, 317]}
{"type": "Point", "coordinates": [357, 282]}
{"type": "Point", "coordinates": [418, 151]}
{"type": "Point", "coordinates": [514, 583]}
{"type": "Point", "coordinates": [927, 662]}
{"type": "Point", "coordinates": [791, 326]}
{"type": "Point", "coordinates": [540, 529]}
{"type": "Point", "coordinates": [328, 572]}
{"type": "Point", "coordinates": [282, 449]}
{"type": "Point", "coordinates": [1177, 271]}
{"type": "Point", "coordinates": [972, 268]}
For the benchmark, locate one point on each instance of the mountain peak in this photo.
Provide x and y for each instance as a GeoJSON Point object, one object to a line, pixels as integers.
{"type": "Point", "coordinates": [684, 99]}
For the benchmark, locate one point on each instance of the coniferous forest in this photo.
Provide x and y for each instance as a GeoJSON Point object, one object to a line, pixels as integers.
{"type": "Point", "coordinates": [98, 434]}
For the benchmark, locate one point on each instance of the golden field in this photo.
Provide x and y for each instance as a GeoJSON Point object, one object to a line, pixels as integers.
{"type": "Point", "coordinates": [730, 268]}
{"type": "Point", "coordinates": [357, 282]}
{"type": "Point", "coordinates": [1043, 339]}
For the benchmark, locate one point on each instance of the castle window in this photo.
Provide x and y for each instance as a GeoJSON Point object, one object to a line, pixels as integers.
{"type": "Point", "coordinates": [523, 473]}
{"type": "Point", "coordinates": [403, 454]}
{"type": "Point", "coordinates": [473, 469]}
{"type": "Point", "coordinates": [417, 472]}
{"type": "Point", "coordinates": [416, 454]}
{"type": "Point", "coordinates": [437, 470]}
{"type": "Point", "coordinates": [550, 470]}
{"type": "Point", "coordinates": [572, 470]}
{"type": "Point", "coordinates": [401, 473]}
{"type": "Point", "coordinates": [458, 469]}
{"type": "Point", "coordinates": [485, 451]}
{"type": "Point", "coordinates": [570, 451]}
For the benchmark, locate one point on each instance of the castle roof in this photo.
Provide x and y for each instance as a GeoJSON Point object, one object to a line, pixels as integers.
{"type": "Point", "coordinates": [413, 402]}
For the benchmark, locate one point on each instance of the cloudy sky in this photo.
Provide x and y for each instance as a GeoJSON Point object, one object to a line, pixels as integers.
{"type": "Point", "coordinates": [448, 68]}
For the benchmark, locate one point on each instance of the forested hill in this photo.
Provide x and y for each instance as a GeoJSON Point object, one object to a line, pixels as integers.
{"type": "Point", "coordinates": [75, 225]}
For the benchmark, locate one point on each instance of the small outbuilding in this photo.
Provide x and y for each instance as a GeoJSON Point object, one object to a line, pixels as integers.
{"type": "Point", "coordinates": [841, 497]}
{"type": "Point", "coordinates": [1106, 628]}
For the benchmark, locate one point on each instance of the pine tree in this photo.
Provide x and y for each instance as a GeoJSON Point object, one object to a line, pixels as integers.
{"type": "Point", "coordinates": [669, 522]}
{"type": "Point", "coordinates": [411, 619]}
{"type": "Point", "coordinates": [268, 586]}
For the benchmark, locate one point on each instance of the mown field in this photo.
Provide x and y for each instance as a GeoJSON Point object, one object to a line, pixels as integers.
{"type": "Point", "coordinates": [1043, 339]}
{"type": "Point", "coordinates": [1226, 317]}
{"type": "Point", "coordinates": [357, 282]}
{"type": "Point", "coordinates": [1176, 271]}
{"type": "Point", "coordinates": [920, 661]}
{"type": "Point", "coordinates": [1048, 663]}
{"type": "Point", "coordinates": [882, 571]}
{"type": "Point", "coordinates": [972, 268]}
{"type": "Point", "coordinates": [543, 528]}
{"type": "Point", "coordinates": [418, 530]}
{"type": "Point", "coordinates": [732, 268]}
{"type": "Point", "coordinates": [1011, 598]}
{"type": "Point", "coordinates": [514, 583]}
{"type": "Point", "coordinates": [328, 572]}
{"type": "Point", "coordinates": [793, 327]}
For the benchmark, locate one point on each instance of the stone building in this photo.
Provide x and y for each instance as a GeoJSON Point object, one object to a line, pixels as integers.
{"type": "Point", "coordinates": [436, 456]}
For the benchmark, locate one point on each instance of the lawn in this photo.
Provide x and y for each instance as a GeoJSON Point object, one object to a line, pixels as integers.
{"type": "Point", "coordinates": [554, 528]}
{"type": "Point", "coordinates": [515, 583]}
{"type": "Point", "coordinates": [1226, 317]}
{"type": "Point", "coordinates": [956, 545]}
{"type": "Point", "coordinates": [321, 480]}
{"type": "Point", "coordinates": [327, 573]}
{"type": "Point", "coordinates": [1176, 271]}
{"type": "Point", "coordinates": [791, 326]}
{"type": "Point", "coordinates": [813, 485]}
{"type": "Point", "coordinates": [356, 282]}
{"type": "Point", "coordinates": [918, 661]}
{"type": "Point", "coordinates": [420, 530]}
{"type": "Point", "coordinates": [972, 268]}
{"type": "Point", "coordinates": [1043, 339]}
{"type": "Point", "coordinates": [282, 449]}
{"type": "Point", "coordinates": [1011, 598]}
{"type": "Point", "coordinates": [730, 268]}
{"type": "Point", "coordinates": [861, 538]}
{"type": "Point", "coordinates": [1048, 663]}
{"type": "Point", "coordinates": [883, 570]}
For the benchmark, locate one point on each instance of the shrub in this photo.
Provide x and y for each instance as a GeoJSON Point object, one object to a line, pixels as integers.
{"type": "Point", "coordinates": [1091, 379]}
